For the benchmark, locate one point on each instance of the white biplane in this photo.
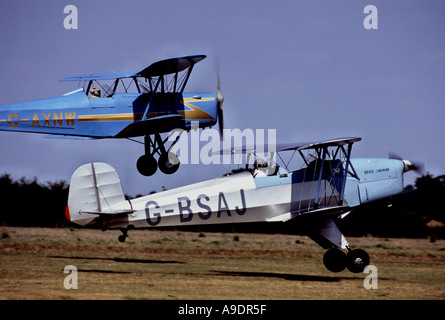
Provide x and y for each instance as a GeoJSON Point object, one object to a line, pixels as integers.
{"type": "Point", "coordinates": [327, 187]}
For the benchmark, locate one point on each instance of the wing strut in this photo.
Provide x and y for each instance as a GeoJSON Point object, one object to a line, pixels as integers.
{"type": "Point", "coordinates": [151, 99]}
{"type": "Point", "coordinates": [345, 174]}
{"type": "Point", "coordinates": [320, 175]}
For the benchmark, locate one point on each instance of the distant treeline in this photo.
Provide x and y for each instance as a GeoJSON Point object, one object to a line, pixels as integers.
{"type": "Point", "coordinates": [29, 203]}
{"type": "Point", "coordinates": [418, 212]}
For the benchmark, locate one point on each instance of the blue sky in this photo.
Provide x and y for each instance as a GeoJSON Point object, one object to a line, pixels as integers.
{"type": "Point", "coordinates": [306, 68]}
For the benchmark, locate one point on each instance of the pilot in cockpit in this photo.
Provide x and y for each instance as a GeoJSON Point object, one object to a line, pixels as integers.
{"type": "Point", "coordinates": [95, 93]}
{"type": "Point", "coordinates": [259, 168]}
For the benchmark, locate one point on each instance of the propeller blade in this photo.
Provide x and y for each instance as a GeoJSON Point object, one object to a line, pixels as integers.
{"type": "Point", "coordinates": [220, 106]}
{"type": "Point", "coordinates": [416, 166]}
{"type": "Point", "coordinates": [419, 167]}
{"type": "Point", "coordinates": [395, 156]}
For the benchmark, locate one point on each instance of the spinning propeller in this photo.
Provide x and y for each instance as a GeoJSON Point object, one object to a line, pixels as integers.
{"type": "Point", "coordinates": [220, 105]}
{"type": "Point", "coordinates": [417, 166]}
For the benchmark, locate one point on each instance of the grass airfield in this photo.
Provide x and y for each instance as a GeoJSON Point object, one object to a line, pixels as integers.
{"type": "Point", "coordinates": [180, 265]}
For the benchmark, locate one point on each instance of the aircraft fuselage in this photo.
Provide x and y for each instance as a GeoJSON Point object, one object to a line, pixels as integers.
{"type": "Point", "coordinates": [241, 198]}
{"type": "Point", "coordinates": [76, 114]}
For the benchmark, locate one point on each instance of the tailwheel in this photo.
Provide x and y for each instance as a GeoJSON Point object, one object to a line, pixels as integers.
{"type": "Point", "coordinates": [168, 163]}
{"type": "Point", "coordinates": [123, 236]}
{"type": "Point", "coordinates": [357, 260]}
{"type": "Point", "coordinates": [335, 260]}
{"type": "Point", "coordinates": [147, 165]}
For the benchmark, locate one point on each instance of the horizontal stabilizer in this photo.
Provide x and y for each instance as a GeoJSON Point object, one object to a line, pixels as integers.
{"type": "Point", "coordinates": [110, 213]}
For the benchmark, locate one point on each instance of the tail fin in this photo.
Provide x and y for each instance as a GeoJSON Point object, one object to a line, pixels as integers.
{"type": "Point", "coordinates": [94, 189]}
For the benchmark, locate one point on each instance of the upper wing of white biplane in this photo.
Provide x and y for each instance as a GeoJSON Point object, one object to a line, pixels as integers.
{"type": "Point", "coordinates": [159, 68]}
{"type": "Point", "coordinates": [315, 145]}
{"type": "Point", "coordinates": [288, 146]}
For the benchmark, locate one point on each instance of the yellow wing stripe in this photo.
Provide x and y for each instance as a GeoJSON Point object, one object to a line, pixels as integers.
{"type": "Point", "coordinates": [195, 113]}
{"type": "Point", "coordinates": [108, 117]}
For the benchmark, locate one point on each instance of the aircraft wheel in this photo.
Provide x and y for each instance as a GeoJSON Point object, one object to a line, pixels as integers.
{"type": "Point", "coordinates": [147, 165]}
{"type": "Point", "coordinates": [357, 260]}
{"type": "Point", "coordinates": [121, 238]}
{"type": "Point", "coordinates": [334, 260]}
{"type": "Point", "coordinates": [168, 163]}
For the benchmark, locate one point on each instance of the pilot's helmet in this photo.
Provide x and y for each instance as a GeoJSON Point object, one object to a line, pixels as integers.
{"type": "Point", "coordinates": [260, 163]}
{"type": "Point", "coordinates": [95, 92]}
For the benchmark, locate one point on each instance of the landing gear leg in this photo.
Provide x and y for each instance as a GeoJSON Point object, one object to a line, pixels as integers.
{"type": "Point", "coordinates": [168, 161]}
{"type": "Point", "coordinates": [123, 236]}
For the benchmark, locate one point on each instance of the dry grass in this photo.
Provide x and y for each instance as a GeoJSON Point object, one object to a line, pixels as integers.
{"type": "Point", "coordinates": [190, 265]}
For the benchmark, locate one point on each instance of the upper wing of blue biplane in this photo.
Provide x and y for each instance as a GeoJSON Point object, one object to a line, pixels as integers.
{"type": "Point", "coordinates": [102, 76]}
{"type": "Point", "coordinates": [170, 66]}
{"type": "Point", "coordinates": [156, 69]}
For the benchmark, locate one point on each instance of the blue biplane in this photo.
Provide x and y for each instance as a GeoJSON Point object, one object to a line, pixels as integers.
{"type": "Point", "coordinates": [101, 109]}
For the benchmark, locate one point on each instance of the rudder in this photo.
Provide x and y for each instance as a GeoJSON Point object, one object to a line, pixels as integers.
{"type": "Point", "coordinates": [94, 188]}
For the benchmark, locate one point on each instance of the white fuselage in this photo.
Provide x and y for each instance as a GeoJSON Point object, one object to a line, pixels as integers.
{"type": "Point", "coordinates": [237, 198]}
